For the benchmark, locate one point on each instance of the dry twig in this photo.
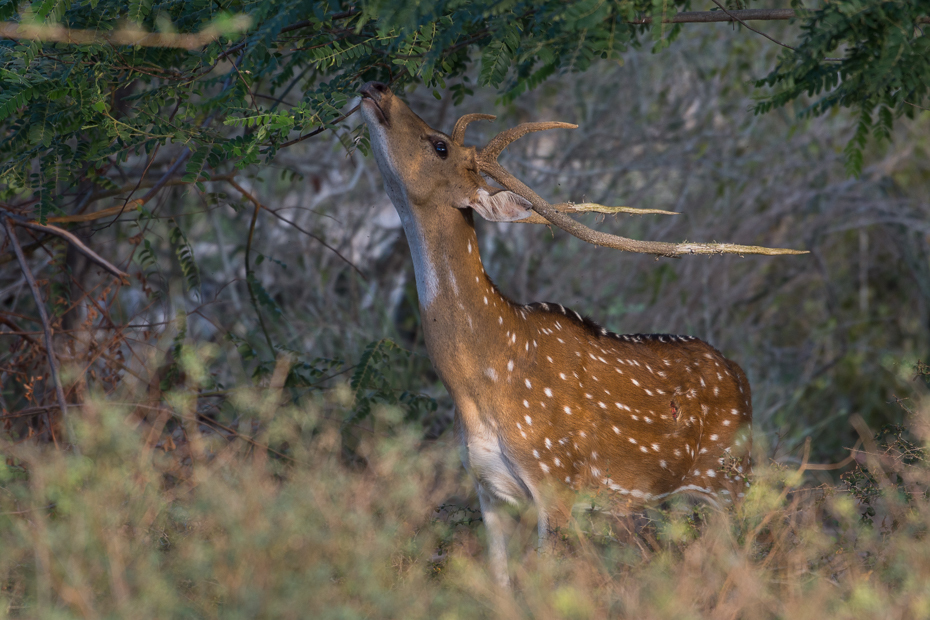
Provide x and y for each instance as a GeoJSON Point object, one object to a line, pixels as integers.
{"type": "Point", "coordinates": [46, 326]}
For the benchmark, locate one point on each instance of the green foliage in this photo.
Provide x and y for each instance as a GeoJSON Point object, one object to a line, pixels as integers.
{"type": "Point", "coordinates": [172, 373]}
{"type": "Point", "coordinates": [76, 109]}
{"type": "Point", "coordinates": [899, 451]}
{"type": "Point", "coordinates": [371, 383]}
{"type": "Point", "coordinates": [883, 71]}
{"type": "Point", "coordinates": [71, 109]}
{"type": "Point", "coordinates": [185, 255]}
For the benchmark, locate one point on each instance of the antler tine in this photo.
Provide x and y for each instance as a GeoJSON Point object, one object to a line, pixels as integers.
{"type": "Point", "coordinates": [458, 132]}
{"type": "Point", "coordinates": [588, 235]}
{"type": "Point", "coordinates": [499, 142]}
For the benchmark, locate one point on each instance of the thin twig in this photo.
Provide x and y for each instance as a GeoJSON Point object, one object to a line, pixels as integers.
{"type": "Point", "coordinates": [142, 177]}
{"type": "Point", "coordinates": [248, 272]}
{"type": "Point", "coordinates": [914, 105]}
{"type": "Point", "coordinates": [96, 215]}
{"type": "Point", "coordinates": [742, 15]}
{"type": "Point", "coordinates": [256, 202]}
{"type": "Point", "coordinates": [735, 18]}
{"type": "Point", "coordinates": [46, 327]}
{"type": "Point", "coordinates": [320, 130]}
{"type": "Point", "coordinates": [705, 17]}
{"type": "Point", "coordinates": [831, 466]}
{"type": "Point", "coordinates": [135, 204]}
{"type": "Point", "coordinates": [73, 240]}
{"type": "Point", "coordinates": [292, 27]}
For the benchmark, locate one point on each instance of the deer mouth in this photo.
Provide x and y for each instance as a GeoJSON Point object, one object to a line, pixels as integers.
{"type": "Point", "coordinates": [370, 97]}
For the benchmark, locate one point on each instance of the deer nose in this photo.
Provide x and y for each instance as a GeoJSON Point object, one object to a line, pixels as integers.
{"type": "Point", "coordinates": [375, 90]}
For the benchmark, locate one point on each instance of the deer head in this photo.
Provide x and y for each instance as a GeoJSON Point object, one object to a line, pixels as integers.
{"type": "Point", "coordinates": [424, 167]}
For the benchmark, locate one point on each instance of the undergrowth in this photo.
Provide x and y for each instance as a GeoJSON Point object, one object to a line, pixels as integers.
{"type": "Point", "coordinates": [158, 514]}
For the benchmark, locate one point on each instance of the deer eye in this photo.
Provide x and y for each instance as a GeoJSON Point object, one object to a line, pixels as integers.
{"type": "Point", "coordinates": [441, 149]}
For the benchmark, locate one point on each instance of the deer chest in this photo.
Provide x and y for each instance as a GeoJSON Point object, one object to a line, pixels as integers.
{"type": "Point", "coordinates": [485, 457]}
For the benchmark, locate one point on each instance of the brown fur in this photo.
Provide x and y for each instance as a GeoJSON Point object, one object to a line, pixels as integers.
{"type": "Point", "coordinates": [549, 403]}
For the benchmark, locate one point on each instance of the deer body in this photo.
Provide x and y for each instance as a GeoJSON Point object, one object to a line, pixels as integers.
{"type": "Point", "coordinates": [547, 403]}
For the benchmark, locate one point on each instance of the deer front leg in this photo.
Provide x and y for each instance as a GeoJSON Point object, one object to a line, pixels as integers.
{"type": "Point", "coordinates": [492, 513]}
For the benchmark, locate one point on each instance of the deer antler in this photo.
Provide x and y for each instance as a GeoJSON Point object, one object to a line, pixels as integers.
{"type": "Point", "coordinates": [499, 142]}
{"type": "Point", "coordinates": [458, 132]}
{"type": "Point", "coordinates": [487, 163]}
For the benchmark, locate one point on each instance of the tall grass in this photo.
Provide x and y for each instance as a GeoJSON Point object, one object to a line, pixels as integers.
{"type": "Point", "coordinates": [156, 515]}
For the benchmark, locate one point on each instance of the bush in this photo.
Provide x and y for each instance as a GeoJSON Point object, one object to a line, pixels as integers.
{"type": "Point", "coordinates": [164, 516]}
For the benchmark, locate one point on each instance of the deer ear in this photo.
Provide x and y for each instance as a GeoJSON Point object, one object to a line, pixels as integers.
{"type": "Point", "coordinates": [500, 206]}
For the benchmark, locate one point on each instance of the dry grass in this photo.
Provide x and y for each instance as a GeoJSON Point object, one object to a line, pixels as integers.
{"type": "Point", "coordinates": [161, 517]}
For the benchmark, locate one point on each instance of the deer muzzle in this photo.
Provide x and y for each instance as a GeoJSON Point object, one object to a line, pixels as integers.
{"type": "Point", "coordinates": [374, 96]}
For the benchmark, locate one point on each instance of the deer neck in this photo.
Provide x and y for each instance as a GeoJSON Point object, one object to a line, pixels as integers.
{"type": "Point", "coordinates": [465, 319]}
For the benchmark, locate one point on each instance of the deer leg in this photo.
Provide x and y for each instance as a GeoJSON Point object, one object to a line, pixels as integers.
{"type": "Point", "coordinates": [545, 544]}
{"type": "Point", "coordinates": [553, 510]}
{"type": "Point", "coordinates": [492, 514]}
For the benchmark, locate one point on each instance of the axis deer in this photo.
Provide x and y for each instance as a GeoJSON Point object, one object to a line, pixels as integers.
{"type": "Point", "coordinates": [547, 402]}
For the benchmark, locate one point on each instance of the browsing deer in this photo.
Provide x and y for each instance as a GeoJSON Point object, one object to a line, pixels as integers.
{"type": "Point", "coordinates": [548, 403]}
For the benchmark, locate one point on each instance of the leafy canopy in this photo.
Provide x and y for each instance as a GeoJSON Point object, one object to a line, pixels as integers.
{"type": "Point", "coordinates": [71, 113]}
{"type": "Point", "coordinates": [882, 70]}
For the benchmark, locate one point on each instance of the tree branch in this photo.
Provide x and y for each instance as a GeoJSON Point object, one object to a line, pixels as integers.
{"type": "Point", "coordinates": [129, 205]}
{"type": "Point", "coordinates": [248, 271]}
{"type": "Point", "coordinates": [706, 17]}
{"type": "Point", "coordinates": [743, 22]}
{"type": "Point", "coordinates": [742, 15]}
{"type": "Point", "coordinates": [73, 240]}
{"type": "Point", "coordinates": [46, 327]}
{"type": "Point", "coordinates": [124, 36]}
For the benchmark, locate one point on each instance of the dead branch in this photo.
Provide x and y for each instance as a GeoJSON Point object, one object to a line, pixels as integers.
{"type": "Point", "coordinates": [77, 243]}
{"type": "Point", "coordinates": [46, 326]}
{"type": "Point", "coordinates": [131, 205]}
{"type": "Point", "coordinates": [124, 36]}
